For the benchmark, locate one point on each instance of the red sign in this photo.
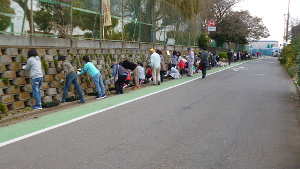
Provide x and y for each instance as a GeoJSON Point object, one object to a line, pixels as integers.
{"type": "Point", "coordinates": [212, 23]}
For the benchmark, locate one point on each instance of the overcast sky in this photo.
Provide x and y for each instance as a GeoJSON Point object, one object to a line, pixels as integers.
{"type": "Point", "coordinates": [272, 12]}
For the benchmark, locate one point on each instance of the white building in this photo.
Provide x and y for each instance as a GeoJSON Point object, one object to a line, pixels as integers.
{"type": "Point", "coordinates": [267, 47]}
{"type": "Point", "coordinates": [262, 44]}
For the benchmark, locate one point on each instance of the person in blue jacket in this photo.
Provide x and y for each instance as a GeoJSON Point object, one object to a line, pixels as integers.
{"type": "Point", "coordinates": [96, 75]}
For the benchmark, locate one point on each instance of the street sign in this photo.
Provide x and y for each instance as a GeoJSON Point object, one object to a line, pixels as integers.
{"type": "Point", "coordinates": [212, 23]}
{"type": "Point", "coordinates": [211, 28]}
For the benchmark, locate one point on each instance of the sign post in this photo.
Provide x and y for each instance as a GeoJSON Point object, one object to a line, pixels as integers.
{"type": "Point", "coordinates": [212, 25]}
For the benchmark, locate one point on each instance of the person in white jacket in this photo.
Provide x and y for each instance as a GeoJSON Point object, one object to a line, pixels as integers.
{"type": "Point", "coordinates": [155, 65]}
{"type": "Point", "coordinates": [191, 59]}
{"type": "Point", "coordinates": [36, 76]}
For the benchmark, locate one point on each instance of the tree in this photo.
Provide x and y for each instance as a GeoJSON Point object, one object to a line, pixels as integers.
{"type": "Point", "coordinates": [147, 11]}
{"type": "Point", "coordinates": [43, 20]}
{"type": "Point", "coordinates": [27, 12]}
{"type": "Point", "coordinates": [203, 40]}
{"type": "Point", "coordinates": [5, 18]}
{"type": "Point", "coordinates": [188, 8]}
{"type": "Point", "coordinates": [239, 27]}
{"type": "Point", "coordinates": [180, 15]}
{"type": "Point", "coordinates": [295, 31]}
{"type": "Point", "coordinates": [214, 9]}
{"type": "Point", "coordinates": [221, 8]}
{"type": "Point", "coordinates": [255, 26]}
{"type": "Point", "coordinates": [56, 17]}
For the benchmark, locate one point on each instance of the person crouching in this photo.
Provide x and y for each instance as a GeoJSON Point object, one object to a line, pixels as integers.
{"type": "Point", "coordinates": [122, 75]}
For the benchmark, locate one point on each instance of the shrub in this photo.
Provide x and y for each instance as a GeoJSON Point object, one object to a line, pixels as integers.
{"type": "Point", "coordinates": [2, 109]}
{"type": "Point", "coordinates": [56, 63]}
{"type": "Point", "coordinates": [93, 94]}
{"type": "Point", "coordinates": [45, 64]}
{"type": "Point", "coordinates": [72, 98]}
{"type": "Point", "coordinates": [223, 55]}
{"type": "Point", "coordinates": [203, 40]}
{"type": "Point", "coordinates": [23, 59]}
{"type": "Point", "coordinates": [111, 56]}
{"type": "Point", "coordinates": [88, 35]}
{"type": "Point", "coordinates": [291, 70]}
{"type": "Point", "coordinates": [5, 80]}
{"type": "Point", "coordinates": [50, 104]}
{"type": "Point", "coordinates": [18, 65]}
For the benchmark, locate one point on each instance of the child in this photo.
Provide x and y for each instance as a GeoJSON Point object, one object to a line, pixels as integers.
{"type": "Point", "coordinates": [71, 77]}
{"type": "Point", "coordinates": [149, 73]}
{"type": "Point", "coordinates": [36, 76]}
{"type": "Point", "coordinates": [141, 72]}
{"type": "Point", "coordinates": [96, 75]}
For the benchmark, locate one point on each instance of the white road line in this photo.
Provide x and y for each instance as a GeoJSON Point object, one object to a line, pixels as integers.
{"type": "Point", "coordinates": [259, 74]}
{"type": "Point", "coordinates": [97, 112]}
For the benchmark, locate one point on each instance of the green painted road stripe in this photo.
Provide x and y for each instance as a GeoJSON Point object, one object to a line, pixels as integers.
{"type": "Point", "coordinates": [23, 128]}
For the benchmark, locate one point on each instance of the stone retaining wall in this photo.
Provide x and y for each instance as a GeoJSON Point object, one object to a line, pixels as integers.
{"type": "Point", "coordinates": [15, 83]}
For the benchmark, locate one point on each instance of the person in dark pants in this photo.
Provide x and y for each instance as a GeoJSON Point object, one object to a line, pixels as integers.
{"type": "Point", "coordinates": [71, 77]}
{"type": "Point", "coordinates": [163, 67]}
{"type": "Point", "coordinates": [122, 75]}
{"type": "Point", "coordinates": [204, 62]}
{"type": "Point", "coordinates": [229, 54]}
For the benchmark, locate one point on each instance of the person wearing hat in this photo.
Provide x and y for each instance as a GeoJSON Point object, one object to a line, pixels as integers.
{"type": "Point", "coordinates": [36, 76]}
{"type": "Point", "coordinates": [191, 60]}
{"type": "Point", "coordinates": [71, 77]}
{"type": "Point", "coordinates": [96, 75]}
{"type": "Point", "coordinates": [122, 75]}
{"type": "Point", "coordinates": [155, 65]}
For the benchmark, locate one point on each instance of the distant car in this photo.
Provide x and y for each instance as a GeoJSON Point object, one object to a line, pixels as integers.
{"type": "Point", "coordinates": [276, 54]}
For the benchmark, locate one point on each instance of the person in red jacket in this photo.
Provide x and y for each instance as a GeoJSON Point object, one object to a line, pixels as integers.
{"type": "Point", "coordinates": [127, 80]}
{"type": "Point", "coordinates": [149, 73]}
{"type": "Point", "coordinates": [181, 66]}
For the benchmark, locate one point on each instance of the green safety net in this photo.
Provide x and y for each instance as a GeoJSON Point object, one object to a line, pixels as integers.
{"type": "Point", "coordinates": [143, 21]}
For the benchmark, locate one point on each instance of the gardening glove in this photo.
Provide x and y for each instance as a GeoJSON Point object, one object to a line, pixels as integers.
{"type": "Point", "coordinates": [112, 80]}
{"type": "Point", "coordinates": [78, 73]}
{"type": "Point", "coordinates": [24, 67]}
{"type": "Point", "coordinates": [62, 80]}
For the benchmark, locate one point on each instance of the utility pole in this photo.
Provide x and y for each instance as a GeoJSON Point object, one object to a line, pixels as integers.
{"type": "Point", "coordinates": [31, 25]}
{"type": "Point", "coordinates": [123, 24]}
{"type": "Point", "coordinates": [287, 23]}
{"type": "Point", "coordinates": [153, 31]}
{"type": "Point", "coordinates": [101, 20]}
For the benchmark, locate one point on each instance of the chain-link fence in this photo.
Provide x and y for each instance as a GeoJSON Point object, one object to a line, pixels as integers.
{"type": "Point", "coordinates": [143, 21]}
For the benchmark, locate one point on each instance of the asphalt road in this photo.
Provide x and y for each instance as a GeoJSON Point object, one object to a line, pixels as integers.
{"type": "Point", "coordinates": [241, 118]}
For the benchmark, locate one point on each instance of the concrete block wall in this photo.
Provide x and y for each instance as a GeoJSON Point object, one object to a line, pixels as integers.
{"type": "Point", "coordinates": [15, 83]}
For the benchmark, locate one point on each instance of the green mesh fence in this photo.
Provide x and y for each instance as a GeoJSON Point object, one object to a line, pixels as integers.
{"type": "Point", "coordinates": [143, 21]}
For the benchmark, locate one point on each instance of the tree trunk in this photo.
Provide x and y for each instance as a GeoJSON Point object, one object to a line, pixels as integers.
{"type": "Point", "coordinates": [27, 11]}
